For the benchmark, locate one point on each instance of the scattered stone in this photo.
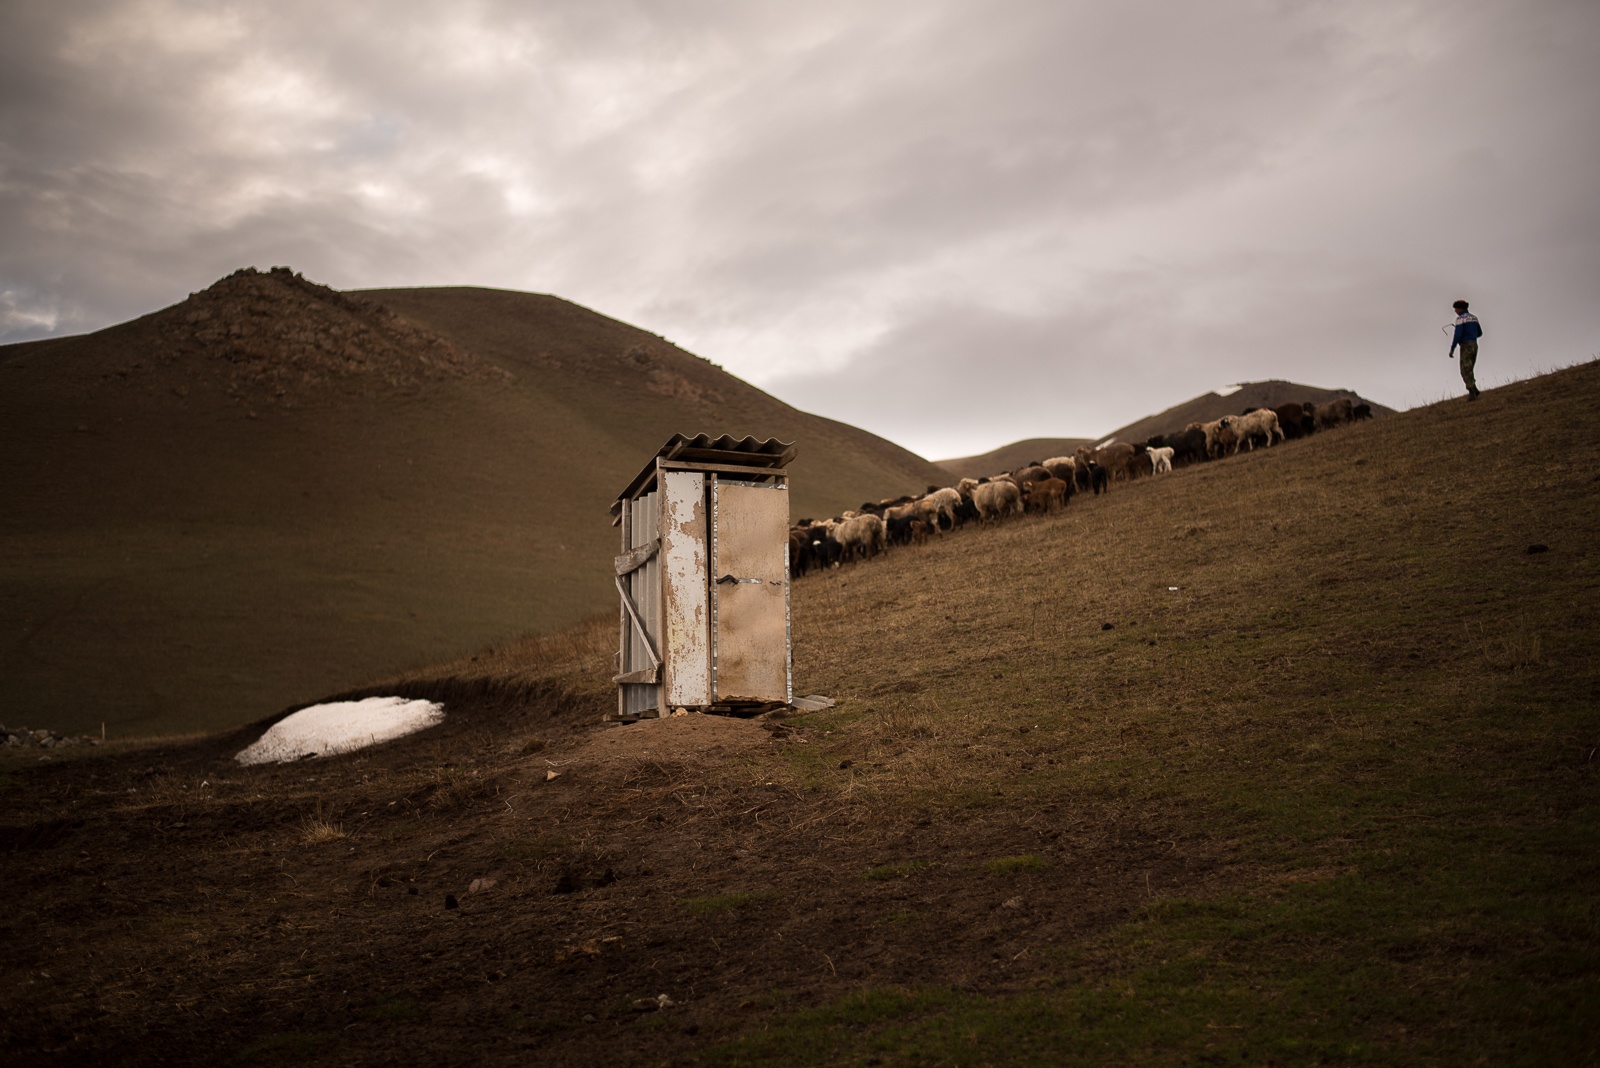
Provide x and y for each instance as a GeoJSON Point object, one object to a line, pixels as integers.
{"type": "Point", "coordinates": [478, 886]}
{"type": "Point", "coordinates": [40, 739]}
{"type": "Point", "coordinates": [450, 902]}
{"type": "Point", "coordinates": [1013, 903]}
{"type": "Point", "coordinates": [1537, 548]}
{"type": "Point", "coordinates": [655, 1004]}
{"type": "Point", "coordinates": [551, 773]}
{"type": "Point", "coordinates": [1107, 626]}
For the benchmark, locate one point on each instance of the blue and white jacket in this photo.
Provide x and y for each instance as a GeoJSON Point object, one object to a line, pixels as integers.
{"type": "Point", "coordinates": [1467, 329]}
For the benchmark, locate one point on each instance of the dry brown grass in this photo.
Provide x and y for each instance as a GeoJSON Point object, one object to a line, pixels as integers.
{"type": "Point", "coordinates": [576, 659]}
{"type": "Point", "coordinates": [318, 831]}
{"type": "Point", "coordinates": [1510, 647]}
{"type": "Point", "coordinates": [1330, 800]}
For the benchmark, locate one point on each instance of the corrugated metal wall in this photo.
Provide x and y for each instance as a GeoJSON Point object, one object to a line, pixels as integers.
{"type": "Point", "coordinates": [644, 586]}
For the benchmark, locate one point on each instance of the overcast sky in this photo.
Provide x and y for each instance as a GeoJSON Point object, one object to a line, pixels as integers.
{"type": "Point", "coordinates": [954, 224]}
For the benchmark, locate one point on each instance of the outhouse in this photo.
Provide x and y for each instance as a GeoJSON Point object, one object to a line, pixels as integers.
{"type": "Point", "coordinates": [704, 578]}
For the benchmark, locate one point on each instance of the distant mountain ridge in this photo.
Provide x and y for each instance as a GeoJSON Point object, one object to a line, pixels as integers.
{"type": "Point", "coordinates": [273, 490]}
{"type": "Point", "coordinates": [1201, 409]}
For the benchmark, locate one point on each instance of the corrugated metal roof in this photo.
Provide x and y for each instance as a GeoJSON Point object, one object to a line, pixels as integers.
{"type": "Point", "coordinates": [703, 448]}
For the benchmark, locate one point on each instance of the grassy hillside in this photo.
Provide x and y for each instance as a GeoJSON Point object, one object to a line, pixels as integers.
{"type": "Point", "coordinates": [274, 489]}
{"type": "Point", "coordinates": [1285, 759]}
{"type": "Point", "coordinates": [1204, 408]}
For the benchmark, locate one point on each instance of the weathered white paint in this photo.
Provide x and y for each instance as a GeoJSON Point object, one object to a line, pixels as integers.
{"type": "Point", "coordinates": [752, 641]}
{"type": "Point", "coordinates": [686, 621]}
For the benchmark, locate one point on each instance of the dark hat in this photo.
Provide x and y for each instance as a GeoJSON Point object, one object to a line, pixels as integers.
{"type": "Point", "coordinates": [1459, 304]}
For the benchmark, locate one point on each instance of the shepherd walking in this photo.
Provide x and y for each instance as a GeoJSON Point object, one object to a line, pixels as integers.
{"type": "Point", "coordinates": [1467, 333]}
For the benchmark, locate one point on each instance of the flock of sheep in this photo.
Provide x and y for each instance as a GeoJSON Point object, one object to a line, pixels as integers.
{"type": "Point", "coordinates": [1046, 485]}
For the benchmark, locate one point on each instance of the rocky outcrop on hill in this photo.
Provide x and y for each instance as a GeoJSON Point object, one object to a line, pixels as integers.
{"type": "Point", "coordinates": [272, 336]}
{"type": "Point", "coordinates": [23, 738]}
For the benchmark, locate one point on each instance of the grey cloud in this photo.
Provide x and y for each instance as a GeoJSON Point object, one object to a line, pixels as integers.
{"type": "Point", "coordinates": [850, 204]}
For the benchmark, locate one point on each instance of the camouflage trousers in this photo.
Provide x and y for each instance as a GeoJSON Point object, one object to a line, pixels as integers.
{"type": "Point", "coordinates": [1469, 360]}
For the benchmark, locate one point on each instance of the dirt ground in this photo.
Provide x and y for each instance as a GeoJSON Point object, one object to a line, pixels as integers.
{"type": "Point", "coordinates": [407, 904]}
{"type": "Point", "coordinates": [1286, 759]}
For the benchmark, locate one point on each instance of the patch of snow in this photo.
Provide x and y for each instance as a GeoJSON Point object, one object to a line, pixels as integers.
{"type": "Point", "coordinates": [340, 727]}
{"type": "Point", "coordinates": [1228, 391]}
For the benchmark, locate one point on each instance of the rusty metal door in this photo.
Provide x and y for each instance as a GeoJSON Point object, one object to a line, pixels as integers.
{"type": "Point", "coordinates": [750, 591]}
{"type": "Point", "coordinates": [639, 583]}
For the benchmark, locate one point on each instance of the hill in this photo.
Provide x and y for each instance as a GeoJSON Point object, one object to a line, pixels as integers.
{"type": "Point", "coordinates": [1010, 457]}
{"type": "Point", "coordinates": [1213, 405]}
{"type": "Point", "coordinates": [1201, 409]}
{"type": "Point", "coordinates": [1283, 759]}
{"type": "Point", "coordinates": [273, 489]}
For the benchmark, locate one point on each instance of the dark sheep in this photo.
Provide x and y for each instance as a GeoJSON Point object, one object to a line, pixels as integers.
{"type": "Point", "coordinates": [1334, 413]}
{"type": "Point", "coordinates": [1188, 447]}
{"type": "Point", "coordinates": [899, 529]}
{"type": "Point", "coordinates": [825, 551]}
{"type": "Point", "coordinates": [1297, 420]}
{"type": "Point", "coordinates": [799, 552]}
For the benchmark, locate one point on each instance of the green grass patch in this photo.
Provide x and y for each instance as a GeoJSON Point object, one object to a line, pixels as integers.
{"type": "Point", "coordinates": [886, 872]}
{"type": "Point", "coordinates": [717, 904]}
{"type": "Point", "coordinates": [523, 849]}
{"type": "Point", "coordinates": [287, 1048]}
{"type": "Point", "coordinates": [387, 1008]}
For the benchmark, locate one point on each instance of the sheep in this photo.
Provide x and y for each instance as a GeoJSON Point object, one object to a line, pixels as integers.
{"type": "Point", "coordinates": [929, 510]}
{"type": "Point", "coordinates": [1188, 446]}
{"type": "Point", "coordinates": [1263, 421]}
{"type": "Point", "coordinates": [997, 499]}
{"type": "Point", "coordinates": [800, 556]}
{"type": "Point", "coordinates": [1297, 420]}
{"type": "Point", "coordinates": [1335, 412]}
{"type": "Point", "coordinates": [1162, 458]}
{"type": "Point", "coordinates": [825, 550]}
{"type": "Point", "coordinates": [938, 509]}
{"type": "Point", "coordinates": [898, 528]}
{"type": "Point", "coordinates": [1220, 437]}
{"type": "Point", "coordinates": [1115, 458]}
{"type": "Point", "coordinates": [1031, 473]}
{"type": "Point", "coordinates": [862, 535]}
{"type": "Point", "coordinates": [1045, 494]}
{"type": "Point", "coordinates": [1068, 470]}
